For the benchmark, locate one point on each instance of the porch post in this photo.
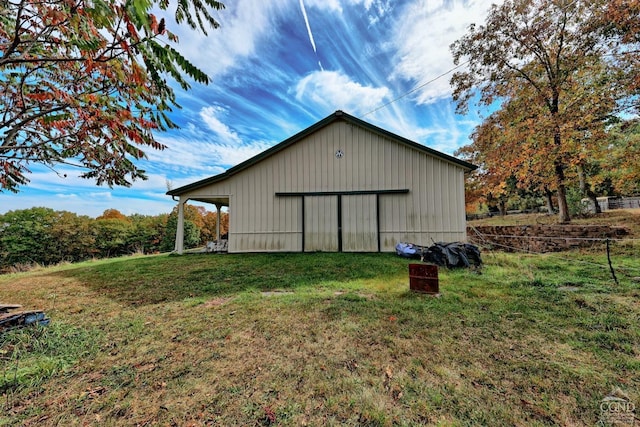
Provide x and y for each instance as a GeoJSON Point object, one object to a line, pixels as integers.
{"type": "Point", "coordinates": [180, 228]}
{"type": "Point", "coordinates": [218, 207]}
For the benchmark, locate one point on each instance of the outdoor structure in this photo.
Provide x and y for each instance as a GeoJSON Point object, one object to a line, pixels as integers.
{"type": "Point", "coordinates": [607, 203]}
{"type": "Point", "coordinates": [341, 185]}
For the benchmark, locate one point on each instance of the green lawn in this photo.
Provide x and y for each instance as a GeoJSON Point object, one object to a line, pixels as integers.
{"type": "Point", "coordinates": [321, 339]}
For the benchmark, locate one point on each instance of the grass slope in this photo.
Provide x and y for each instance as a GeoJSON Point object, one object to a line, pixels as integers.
{"type": "Point", "coordinates": [337, 340]}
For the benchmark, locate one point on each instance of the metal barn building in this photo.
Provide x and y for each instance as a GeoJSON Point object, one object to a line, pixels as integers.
{"type": "Point", "coordinates": [341, 185]}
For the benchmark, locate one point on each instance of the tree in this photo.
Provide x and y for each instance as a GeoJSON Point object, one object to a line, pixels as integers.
{"type": "Point", "coordinates": [148, 232]}
{"type": "Point", "coordinates": [112, 237]}
{"type": "Point", "coordinates": [544, 62]}
{"type": "Point", "coordinates": [191, 233]}
{"type": "Point", "coordinates": [25, 236]}
{"type": "Point", "coordinates": [208, 230]}
{"type": "Point", "coordinates": [113, 214]}
{"type": "Point", "coordinates": [619, 22]}
{"type": "Point", "coordinates": [44, 236]}
{"type": "Point", "coordinates": [83, 83]}
{"type": "Point", "coordinates": [623, 152]}
{"type": "Point", "coordinates": [512, 150]}
{"type": "Point", "coordinates": [194, 214]}
{"type": "Point", "coordinates": [72, 237]}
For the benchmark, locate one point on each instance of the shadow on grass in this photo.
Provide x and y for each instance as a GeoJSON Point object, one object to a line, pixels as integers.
{"type": "Point", "coordinates": [151, 280]}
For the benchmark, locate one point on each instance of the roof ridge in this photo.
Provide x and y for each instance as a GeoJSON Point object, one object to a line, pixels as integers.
{"type": "Point", "coordinates": [335, 116]}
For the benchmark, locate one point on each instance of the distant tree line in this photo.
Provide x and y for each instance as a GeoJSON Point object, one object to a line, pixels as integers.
{"type": "Point", "coordinates": [45, 236]}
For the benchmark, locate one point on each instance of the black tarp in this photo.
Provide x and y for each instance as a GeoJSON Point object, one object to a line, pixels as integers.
{"type": "Point", "coordinates": [451, 255]}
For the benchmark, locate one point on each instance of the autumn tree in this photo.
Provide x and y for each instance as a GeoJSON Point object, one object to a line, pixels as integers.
{"type": "Point", "coordinates": [44, 236]}
{"type": "Point", "coordinates": [194, 214]}
{"type": "Point", "coordinates": [205, 221]}
{"type": "Point", "coordinates": [208, 230]}
{"type": "Point", "coordinates": [509, 147]}
{"type": "Point", "coordinates": [72, 237]}
{"type": "Point", "coordinates": [542, 64]}
{"type": "Point", "coordinates": [194, 222]}
{"type": "Point", "coordinates": [84, 83]}
{"type": "Point", "coordinates": [623, 152]}
{"type": "Point", "coordinates": [619, 22]}
{"type": "Point", "coordinates": [113, 214]}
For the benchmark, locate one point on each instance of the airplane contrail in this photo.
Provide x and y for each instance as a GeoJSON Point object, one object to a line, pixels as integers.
{"type": "Point", "coordinates": [306, 21]}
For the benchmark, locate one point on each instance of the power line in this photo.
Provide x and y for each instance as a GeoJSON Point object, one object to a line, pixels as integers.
{"type": "Point", "coordinates": [417, 88]}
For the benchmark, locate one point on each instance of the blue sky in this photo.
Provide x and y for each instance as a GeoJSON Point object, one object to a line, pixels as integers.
{"type": "Point", "coordinates": [277, 67]}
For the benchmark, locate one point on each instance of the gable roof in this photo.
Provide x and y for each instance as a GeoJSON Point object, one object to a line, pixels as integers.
{"type": "Point", "coordinates": [337, 116]}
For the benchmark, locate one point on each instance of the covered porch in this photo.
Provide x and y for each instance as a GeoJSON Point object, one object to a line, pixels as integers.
{"type": "Point", "coordinates": [219, 202]}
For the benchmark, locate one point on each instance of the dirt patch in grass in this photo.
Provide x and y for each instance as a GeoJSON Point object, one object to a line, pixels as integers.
{"type": "Point", "coordinates": [275, 293]}
{"type": "Point", "coordinates": [216, 302]}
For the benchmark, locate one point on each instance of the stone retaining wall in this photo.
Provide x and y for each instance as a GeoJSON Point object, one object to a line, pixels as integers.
{"type": "Point", "coordinates": [542, 238]}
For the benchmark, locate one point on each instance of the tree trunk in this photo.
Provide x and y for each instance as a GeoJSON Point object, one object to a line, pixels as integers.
{"type": "Point", "coordinates": [585, 189]}
{"type": "Point", "coordinates": [548, 197]}
{"type": "Point", "coordinates": [594, 199]}
{"type": "Point", "coordinates": [563, 206]}
{"type": "Point", "coordinates": [503, 207]}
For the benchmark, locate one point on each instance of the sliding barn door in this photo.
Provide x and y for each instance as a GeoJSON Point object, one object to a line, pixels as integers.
{"type": "Point", "coordinates": [321, 223]}
{"type": "Point", "coordinates": [359, 223]}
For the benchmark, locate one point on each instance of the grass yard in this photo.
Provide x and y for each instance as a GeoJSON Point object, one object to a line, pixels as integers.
{"type": "Point", "coordinates": [321, 339]}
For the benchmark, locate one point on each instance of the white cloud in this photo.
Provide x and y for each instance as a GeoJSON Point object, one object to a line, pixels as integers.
{"type": "Point", "coordinates": [62, 182]}
{"type": "Point", "coordinates": [243, 25]}
{"type": "Point", "coordinates": [332, 90]}
{"type": "Point", "coordinates": [375, 10]}
{"type": "Point", "coordinates": [181, 182]}
{"type": "Point", "coordinates": [210, 117]}
{"type": "Point", "coordinates": [72, 193]}
{"type": "Point", "coordinates": [331, 5]}
{"type": "Point", "coordinates": [232, 154]}
{"type": "Point", "coordinates": [208, 156]}
{"type": "Point", "coordinates": [422, 37]}
{"type": "Point", "coordinates": [195, 150]}
{"type": "Point", "coordinates": [100, 195]}
{"type": "Point", "coordinates": [183, 151]}
{"type": "Point", "coordinates": [155, 182]}
{"type": "Point", "coordinates": [336, 5]}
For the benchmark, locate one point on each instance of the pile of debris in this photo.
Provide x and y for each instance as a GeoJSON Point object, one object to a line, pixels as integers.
{"type": "Point", "coordinates": [10, 319]}
{"type": "Point", "coordinates": [451, 255]}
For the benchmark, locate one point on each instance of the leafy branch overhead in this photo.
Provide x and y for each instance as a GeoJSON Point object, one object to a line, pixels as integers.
{"type": "Point", "coordinates": [84, 83]}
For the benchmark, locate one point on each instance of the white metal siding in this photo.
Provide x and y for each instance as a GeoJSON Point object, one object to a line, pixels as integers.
{"type": "Point", "coordinates": [261, 221]}
{"type": "Point", "coordinates": [321, 223]}
{"type": "Point", "coordinates": [359, 223]}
